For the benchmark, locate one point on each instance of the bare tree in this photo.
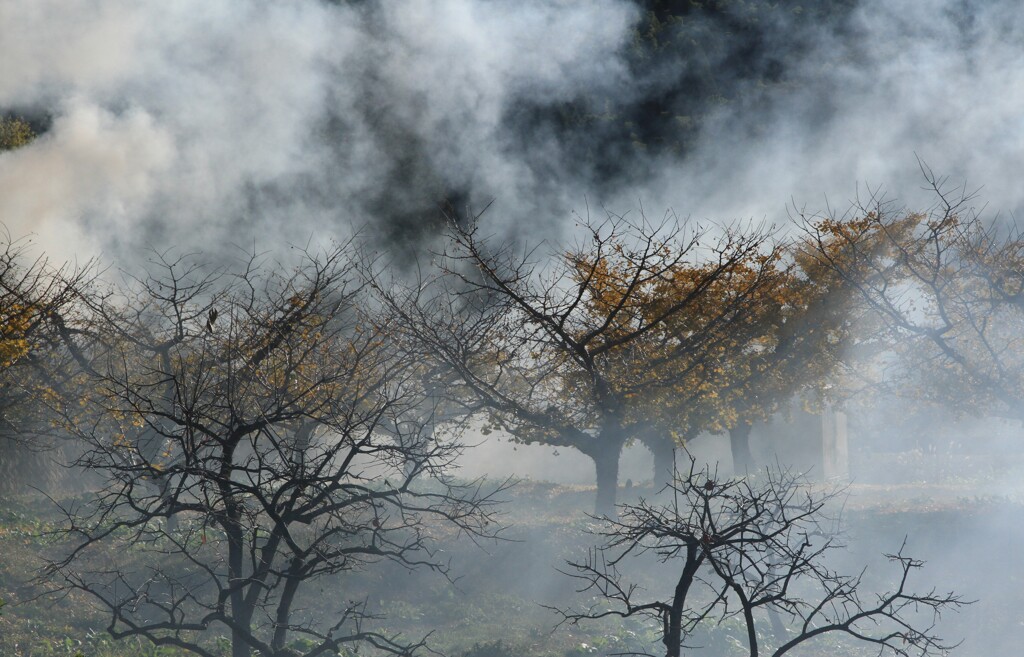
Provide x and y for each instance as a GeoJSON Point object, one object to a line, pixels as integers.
{"type": "Point", "coordinates": [947, 285]}
{"type": "Point", "coordinates": [256, 433]}
{"type": "Point", "coordinates": [751, 548]}
{"type": "Point", "coordinates": [583, 346]}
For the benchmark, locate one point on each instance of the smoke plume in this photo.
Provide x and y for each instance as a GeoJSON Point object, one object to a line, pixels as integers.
{"type": "Point", "coordinates": [274, 123]}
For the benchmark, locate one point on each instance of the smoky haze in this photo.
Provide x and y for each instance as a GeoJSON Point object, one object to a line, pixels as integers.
{"type": "Point", "coordinates": [202, 125]}
{"type": "Point", "coordinates": [277, 121]}
{"type": "Point", "coordinates": [281, 123]}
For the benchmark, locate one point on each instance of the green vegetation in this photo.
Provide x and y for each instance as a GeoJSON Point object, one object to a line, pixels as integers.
{"type": "Point", "coordinates": [15, 133]}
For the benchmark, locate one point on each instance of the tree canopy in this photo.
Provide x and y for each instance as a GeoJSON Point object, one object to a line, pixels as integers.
{"type": "Point", "coordinates": [945, 285]}
{"type": "Point", "coordinates": [247, 427]}
{"type": "Point", "coordinates": [580, 350]}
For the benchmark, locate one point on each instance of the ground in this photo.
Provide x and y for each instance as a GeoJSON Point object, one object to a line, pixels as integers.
{"type": "Point", "coordinates": [968, 530]}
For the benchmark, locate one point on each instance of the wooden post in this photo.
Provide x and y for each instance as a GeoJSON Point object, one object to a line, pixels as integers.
{"type": "Point", "coordinates": [834, 446]}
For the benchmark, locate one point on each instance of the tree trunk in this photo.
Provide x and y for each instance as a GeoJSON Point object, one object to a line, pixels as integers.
{"type": "Point", "coordinates": [672, 632]}
{"type": "Point", "coordinates": [739, 442]}
{"type": "Point", "coordinates": [240, 613]}
{"type": "Point", "coordinates": [284, 606]}
{"type": "Point", "coordinates": [239, 643]}
{"type": "Point", "coordinates": [606, 465]}
{"type": "Point", "coordinates": [663, 449]}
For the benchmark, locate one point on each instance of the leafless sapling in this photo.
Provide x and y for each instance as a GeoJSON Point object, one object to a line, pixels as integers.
{"type": "Point", "coordinates": [746, 549]}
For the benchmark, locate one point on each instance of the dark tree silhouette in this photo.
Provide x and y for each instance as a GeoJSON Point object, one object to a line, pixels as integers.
{"type": "Point", "coordinates": [756, 549]}
{"type": "Point", "coordinates": [244, 463]}
{"type": "Point", "coordinates": [581, 346]}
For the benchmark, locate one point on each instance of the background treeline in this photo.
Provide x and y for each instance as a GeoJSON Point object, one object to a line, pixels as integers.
{"type": "Point", "coordinates": [631, 330]}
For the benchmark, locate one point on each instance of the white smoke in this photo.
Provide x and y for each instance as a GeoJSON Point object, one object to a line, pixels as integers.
{"type": "Point", "coordinates": [199, 123]}
{"type": "Point", "coordinates": [193, 122]}
{"type": "Point", "coordinates": [939, 81]}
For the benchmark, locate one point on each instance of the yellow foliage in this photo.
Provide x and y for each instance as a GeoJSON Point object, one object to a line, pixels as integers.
{"type": "Point", "coordinates": [14, 133]}
{"type": "Point", "coordinates": [720, 343]}
{"type": "Point", "coordinates": [15, 321]}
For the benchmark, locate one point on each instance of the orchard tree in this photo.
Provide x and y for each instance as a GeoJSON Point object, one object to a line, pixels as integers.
{"type": "Point", "coordinates": [947, 287]}
{"type": "Point", "coordinates": [804, 335]}
{"type": "Point", "coordinates": [807, 341]}
{"type": "Point", "coordinates": [34, 365]}
{"type": "Point", "coordinates": [692, 391]}
{"type": "Point", "coordinates": [253, 430]}
{"type": "Point", "coordinates": [752, 549]}
{"type": "Point", "coordinates": [32, 293]}
{"type": "Point", "coordinates": [786, 331]}
{"type": "Point", "coordinates": [573, 348]}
